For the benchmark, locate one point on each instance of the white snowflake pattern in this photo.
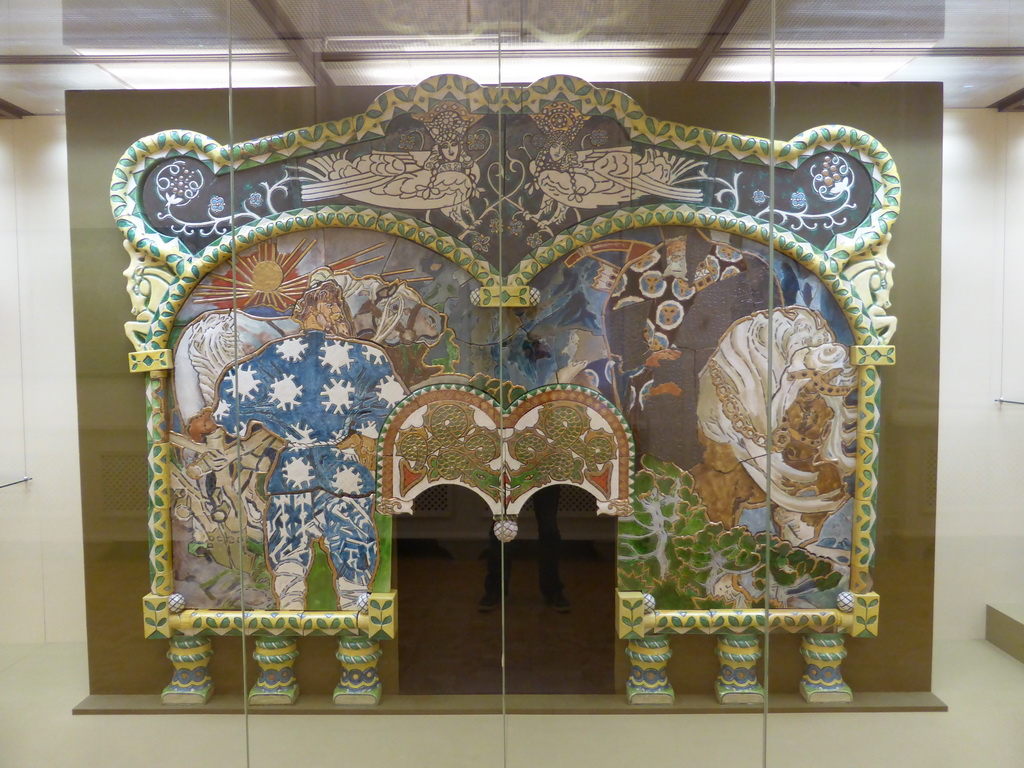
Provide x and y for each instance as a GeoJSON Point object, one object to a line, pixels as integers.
{"type": "Point", "coordinates": [298, 472]}
{"type": "Point", "coordinates": [336, 356]}
{"type": "Point", "coordinates": [390, 390]}
{"type": "Point", "coordinates": [303, 434]}
{"type": "Point", "coordinates": [285, 392]}
{"type": "Point", "coordinates": [337, 396]}
{"type": "Point", "coordinates": [369, 429]}
{"type": "Point", "coordinates": [374, 355]}
{"type": "Point", "coordinates": [292, 349]}
{"type": "Point", "coordinates": [245, 384]}
{"type": "Point", "coordinates": [221, 412]}
{"type": "Point", "coordinates": [347, 480]}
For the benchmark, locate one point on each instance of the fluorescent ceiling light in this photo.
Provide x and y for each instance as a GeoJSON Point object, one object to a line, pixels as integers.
{"type": "Point", "coordinates": [474, 44]}
{"type": "Point", "coordinates": [222, 48]}
{"type": "Point", "coordinates": [493, 70]}
{"type": "Point", "coordinates": [209, 75]}
{"type": "Point", "coordinates": [828, 46]}
{"type": "Point", "coordinates": [807, 68]}
{"type": "Point", "coordinates": [407, 38]}
{"type": "Point", "coordinates": [416, 42]}
{"type": "Point", "coordinates": [143, 53]}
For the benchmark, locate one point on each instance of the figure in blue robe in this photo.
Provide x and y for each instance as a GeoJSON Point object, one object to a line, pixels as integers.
{"type": "Point", "coordinates": [327, 398]}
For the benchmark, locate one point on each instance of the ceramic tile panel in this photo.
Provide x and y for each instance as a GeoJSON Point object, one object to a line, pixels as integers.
{"type": "Point", "coordinates": [506, 289]}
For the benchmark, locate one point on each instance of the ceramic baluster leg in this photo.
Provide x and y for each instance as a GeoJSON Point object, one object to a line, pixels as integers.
{"type": "Point", "coordinates": [191, 683]}
{"type": "Point", "coordinates": [823, 679]}
{"type": "Point", "coordinates": [737, 676]}
{"type": "Point", "coordinates": [276, 684]}
{"type": "Point", "coordinates": [360, 683]}
{"type": "Point", "coordinates": [648, 677]}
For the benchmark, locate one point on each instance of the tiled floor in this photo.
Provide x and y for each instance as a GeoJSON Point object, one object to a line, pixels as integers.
{"type": "Point", "coordinates": [40, 684]}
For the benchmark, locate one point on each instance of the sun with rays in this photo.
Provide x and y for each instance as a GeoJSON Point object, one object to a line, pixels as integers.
{"type": "Point", "coordinates": [267, 279]}
{"type": "Point", "coordinates": [264, 277]}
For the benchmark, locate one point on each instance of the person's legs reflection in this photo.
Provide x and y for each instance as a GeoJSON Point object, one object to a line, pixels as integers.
{"type": "Point", "coordinates": [492, 581]}
{"type": "Point", "coordinates": [549, 544]}
{"type": "Point", "coordinates": [549, 548]}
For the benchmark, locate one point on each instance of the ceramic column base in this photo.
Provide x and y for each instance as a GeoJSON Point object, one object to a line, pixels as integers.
{"type": "Point", "coordinates": [729, 696]}
{"type": "Point", "coordinates": [276, 685]}
{"type": "Point", "coordinates": [273, 699]}
{"type": "Point", "coordinates": [814, 695]}
{"type": "Point", "coordinates": [346, 698]}
{"type": "Point", "coordinates": [822, 680]}
{"type": "Point", "coordinates": [737, 676]}
{"type": "Point", "coordinates": [648, 676]}
{"type": "Point", "coordinates": [360, 683]}
{"type": "Point", "coordinates": [191, 684]}
{"type": "Point", "coordinates": [172, 697]}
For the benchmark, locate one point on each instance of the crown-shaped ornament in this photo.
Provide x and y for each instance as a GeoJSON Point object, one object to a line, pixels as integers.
{"type": "Point", "coordinates": [560, 121]}
{"type": "Point", "coordinates": [447, 122]}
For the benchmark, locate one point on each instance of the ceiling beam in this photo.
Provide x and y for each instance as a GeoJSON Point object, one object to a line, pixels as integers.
{"type": "Point", "coordinates": [1012, 103]}
{"type": "Point", "coordinates": [654, 53]}
{"type": "Point", "coordinates": [307, 58]}
{"type": "Point", "coordinates": [728, 14]}
{"type": "Point", "coordinates": [10, 111]}
{"type": "Point", "coordinates": [136, 57]}
{"type": "Point", "coordinates": [868, 50]}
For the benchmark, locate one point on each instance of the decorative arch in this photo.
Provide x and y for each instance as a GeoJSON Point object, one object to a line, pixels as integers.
{"type": "Point", "coordinates": [160, 285]}
{"type": "Point", "coordinates": [452, 434]}
{"type": "Point", "coordinates": [846, 280]}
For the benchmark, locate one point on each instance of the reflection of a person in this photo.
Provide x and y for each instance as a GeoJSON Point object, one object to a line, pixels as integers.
{"type": "Point", "coordinates": [549, 544]}
{"type": "Point", "coordinates": [811, 446]}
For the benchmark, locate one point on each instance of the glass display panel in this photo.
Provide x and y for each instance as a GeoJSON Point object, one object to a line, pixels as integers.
{"type": "Point", "coordinates": [865, 534]}
{"type": "Point", "coordinates": [499, 362]}
{"type": "Point", "coordinates": [130, 439]}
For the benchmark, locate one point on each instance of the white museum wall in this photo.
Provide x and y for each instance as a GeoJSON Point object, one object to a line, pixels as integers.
{"type": "Point", "coordinates": [979, 489]}
{"type": "Point", "coordinates": [980, 525]}
{"type": "Point", "coordinates": [42, 593]}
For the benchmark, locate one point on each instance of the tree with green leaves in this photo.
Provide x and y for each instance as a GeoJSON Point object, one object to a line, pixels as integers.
{"type": "Point", "coordinates": [665, 507]}
{"type": "Point", "coordinates": [728, 568]}
{"type": "Point", "coordinates": [668, 548]}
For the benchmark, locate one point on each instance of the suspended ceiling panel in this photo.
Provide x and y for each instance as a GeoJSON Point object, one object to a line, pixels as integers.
{"type": "Point", "coordinates": [106, 26]}
{"type": "Point", "coordinates": [489, 71]}
{"type": "Point", "coordinates": [968, 82]}
{"type": "Point", "coordinates": [857, 23]}
{"type": "Point", "coordinates": [31, 28]}
{"type": "Point", "coordinates": [984, 23]}
{"type": "Point", "coordinates": [394, 25]}
{"type": "Point", "coordinates": [385, 23]}
{"type": "Point", "coordinates": [39, 88]}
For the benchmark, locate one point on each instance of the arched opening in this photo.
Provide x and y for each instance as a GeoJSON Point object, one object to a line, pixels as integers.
{"type": "Point", "coordinates": [451, 568]}
{"type": "Point", "coordinates": [445, 646]}
{"type": "Point", "coordinates": [547, 651]}
{"type": "Point", "coordinates": [443, 554]}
